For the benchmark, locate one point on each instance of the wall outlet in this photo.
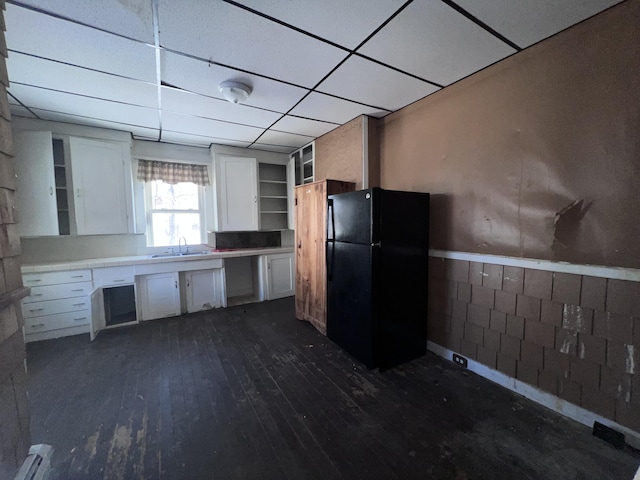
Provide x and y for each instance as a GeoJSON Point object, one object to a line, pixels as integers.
{"type": "Point", "coordinates": [459, 360]}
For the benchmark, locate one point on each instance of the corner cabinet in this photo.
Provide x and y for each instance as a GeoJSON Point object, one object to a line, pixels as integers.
{"type": "Point", "coordinates": [72, 185]}
{"type": "Point", "coordinates": [310, 238]}
{"type": "Point", "coordinates": [300, 171]}
{"type": "Point", "coordinates": [236, 180]}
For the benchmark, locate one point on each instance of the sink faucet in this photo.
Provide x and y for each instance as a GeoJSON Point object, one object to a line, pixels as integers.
{"type": "Point", "coordinates": [185, 245]}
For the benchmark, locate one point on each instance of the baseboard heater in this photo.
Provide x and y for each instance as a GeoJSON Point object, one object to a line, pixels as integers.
{"type": "Point", "coordinates": [37, 464]}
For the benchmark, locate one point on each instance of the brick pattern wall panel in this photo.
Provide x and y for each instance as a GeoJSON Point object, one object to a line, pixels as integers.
{"type": "Point", "coordinates": [15, 437]}
{"type": "Point", "coordinates": [574, 336]}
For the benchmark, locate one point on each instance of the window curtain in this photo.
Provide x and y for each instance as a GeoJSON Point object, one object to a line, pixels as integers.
{"type": "Point", "coordinates": [172, 173]}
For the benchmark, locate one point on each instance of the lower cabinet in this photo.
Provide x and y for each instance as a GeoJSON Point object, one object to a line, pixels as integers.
{"type": "Point", "coordinates": [279, 275]}
{"type": "Point", "coordinates": [205, 289]}
{"type": "Point", "coordinates": [158, 295]}
{"type": "Point", "coordinates": [59, 304]}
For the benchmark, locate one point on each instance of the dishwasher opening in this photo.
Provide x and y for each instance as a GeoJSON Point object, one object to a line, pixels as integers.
{"type": "Point", "coordinates": [119, 305]}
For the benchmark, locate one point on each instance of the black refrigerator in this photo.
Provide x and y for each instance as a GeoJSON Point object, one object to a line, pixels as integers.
{"type": "Point", "coordinates": [377, 271]}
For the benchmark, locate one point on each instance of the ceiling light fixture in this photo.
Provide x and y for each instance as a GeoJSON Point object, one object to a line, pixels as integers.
{"type": "Point", "coordinates": [235, 92]}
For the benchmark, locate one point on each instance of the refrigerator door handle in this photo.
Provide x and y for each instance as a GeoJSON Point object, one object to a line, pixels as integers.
{"type": "Point", "coordinates": [330, 221]}
{"type": "Point", "coordinates": [377, 244]}
{"type": "Point", "coordinates": [330, 255]}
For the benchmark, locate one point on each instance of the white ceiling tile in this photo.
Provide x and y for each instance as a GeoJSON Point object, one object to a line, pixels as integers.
{"type": "Point", "coordinates": [132, 18]}
{"type": "Point", "coordinates": [271, 148]}
{"type": "Point", "coordinates": [193, 104]}
{"type": "Point", "coordinates": [201, 77]}
{"type": "Point", "coordinates": [90, 108]}
{"type": "Point", "coordinates": [344, 23]}
{"type": "Point", "coordinates": [48, 37]}
{"type": "Point", "coordinates": [528, 21]}
{"type": "Point", "coordinates": [194, 140]}
{"type": "Point", "coordinates": [272, 137]}
{"type": "Point", "coordinates": [331, 109]}
{"type": "Point", "coordinates": [368, 82]}
{"type": "Point", "coordinates": [58, 76]}
{"type": "Point", "coordinates": [20, 111]}
{"type": "Point", "coordinates": [303, 126]}
{"type": "Point", "coordinates": [94, 122]}
{"type": "Point", "coordinates": [208, 128]}
{"type": "Point", "coordinates": [431, 40]}
{"type": "Point", "coordinates": [232, 36]}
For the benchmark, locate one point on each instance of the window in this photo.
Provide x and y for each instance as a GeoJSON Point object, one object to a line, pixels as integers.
{"type": "Point", "coordinates": [174, 211]}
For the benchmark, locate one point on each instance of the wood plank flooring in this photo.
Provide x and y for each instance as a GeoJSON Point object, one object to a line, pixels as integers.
{"type": "Point", "coordinates": [249, 392]}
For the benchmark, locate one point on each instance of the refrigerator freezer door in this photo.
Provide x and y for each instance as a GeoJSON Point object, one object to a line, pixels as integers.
{"type": "Point", "coordinates": [404, 218]}
{"type": "Point", "coordinates": [350, 217]}
{"type": "Point", "coordinates": [350, 317]}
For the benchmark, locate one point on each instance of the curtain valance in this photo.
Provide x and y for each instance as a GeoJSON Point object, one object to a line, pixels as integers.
{"type": "Point", "coordinates": [172, 173]}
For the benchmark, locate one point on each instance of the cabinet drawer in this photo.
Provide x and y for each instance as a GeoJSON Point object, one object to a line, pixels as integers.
{"type": "Point", "coordinates": [55, 292]}
{"type": "Point", "coordinates": [113, 276]}
{"type": "Point", "coordinates": [54, 278]}
{"type": "Point", "coordinates": [39, 309]}
{"type": "Point", "coordinates": [54, 322]}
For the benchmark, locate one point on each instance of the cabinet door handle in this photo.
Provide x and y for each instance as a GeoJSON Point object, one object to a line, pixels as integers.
{"type": "Point", "coordinates": [35, 280]}
{"type": "Point", "coordinates": [36, 294]}
{"type": "Point", "coordinates": [78, 192]}
{"type": "Point", "coordinates": [37, 325]}
{"type": "Point", "coordinates": [51, 191]}
{"type": "Point", "coordinates": [77, 276]}
{"type": "Point", "coordinates": [36, 309]}
{"type": "Point", "coordinates": [79, 319]}
{"type": "Point", "coordinates": [78, 304]}
{"type": "Point", "coordinates": [176, 284]}
{"type": "Point", "coordinates": [78, 290]}
{"type": "Point", "coordinates": [118, 280]}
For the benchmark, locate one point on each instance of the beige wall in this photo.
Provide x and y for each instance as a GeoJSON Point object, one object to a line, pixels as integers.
{"type": "Point", "coordinates": [350, 153]}
{"type": "Point", "coordinates": [536, 156]}
{"type": "Point", "coordinates": [338, 154]}
{"type": "Point", "coordinates": [14, 412]}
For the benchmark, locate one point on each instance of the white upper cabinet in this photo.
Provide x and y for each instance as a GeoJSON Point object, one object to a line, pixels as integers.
{"type": "Point", "coordinates": [36, 194]}
{"type": "Point", "coordinates": [72, 185]}
{"type": "Point", "coordinates": [100, 194]}
{"type": "Point", "coordinates": [236, 193]}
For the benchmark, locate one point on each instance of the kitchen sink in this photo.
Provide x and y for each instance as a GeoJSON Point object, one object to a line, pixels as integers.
{"type": "Point", "coordinates": [178, 254]}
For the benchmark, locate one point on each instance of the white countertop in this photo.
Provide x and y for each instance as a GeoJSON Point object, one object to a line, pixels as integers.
{"type": "Point", "coordinates": [146, 259]}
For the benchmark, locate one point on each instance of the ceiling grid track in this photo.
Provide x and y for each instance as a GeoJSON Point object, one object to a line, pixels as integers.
{"type": "Point", "coordinates": [351, 53]}
{"type": "Point", "coordinates": [481, 24]}
{"type": "Point", "coordinates": [22, 104]}
{"type": "Point", "coordinates": [318, 67]}
{"type": "Point", "coordinates": [156, 41]}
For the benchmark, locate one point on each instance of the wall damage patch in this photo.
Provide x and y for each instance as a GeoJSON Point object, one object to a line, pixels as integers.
{"type": "Point", "coordinates": [567, 224]}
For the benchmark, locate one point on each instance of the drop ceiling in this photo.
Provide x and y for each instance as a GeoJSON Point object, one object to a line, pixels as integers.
{"type": "Point", "coordinates": [152, 67]}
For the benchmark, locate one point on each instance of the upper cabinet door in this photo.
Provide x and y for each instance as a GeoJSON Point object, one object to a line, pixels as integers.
{"type": "Point", "coordinates": [237, 186]}
{"type": "Point", "coordinates": [101, 200]}
{"type": "Point", "coordinates": [36, 194]}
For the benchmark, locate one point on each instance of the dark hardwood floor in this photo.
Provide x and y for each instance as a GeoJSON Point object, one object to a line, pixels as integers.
{"type": "Point", "coordinates": [250, 392]}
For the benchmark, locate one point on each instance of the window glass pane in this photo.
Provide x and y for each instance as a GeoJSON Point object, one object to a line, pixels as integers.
{"type": "Point", "coordinates": [169, 227]}
{"type": "Point", "coordinates": [181, 196]}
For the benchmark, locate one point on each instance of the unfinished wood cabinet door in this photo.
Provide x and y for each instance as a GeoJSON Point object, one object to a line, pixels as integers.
{"type": "Point", "coordinates": [310, 233]}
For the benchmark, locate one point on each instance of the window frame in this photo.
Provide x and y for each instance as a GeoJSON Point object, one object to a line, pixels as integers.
{"type": "Point", "coordinates": [148, 202]}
